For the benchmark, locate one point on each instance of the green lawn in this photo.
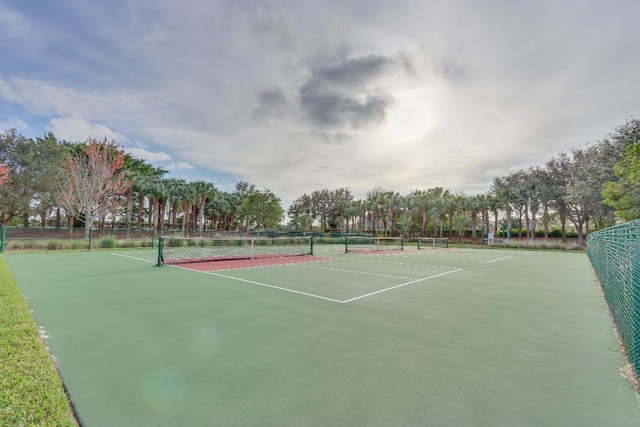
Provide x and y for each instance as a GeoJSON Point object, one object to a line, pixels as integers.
{"type": "Point", "coordinates": [31, 392]}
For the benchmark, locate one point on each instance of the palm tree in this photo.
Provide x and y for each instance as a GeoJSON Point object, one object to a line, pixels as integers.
{"type": "Point", "coordinates": [175, 188]}
{"type": "Point", "coordinates": [202, 191]}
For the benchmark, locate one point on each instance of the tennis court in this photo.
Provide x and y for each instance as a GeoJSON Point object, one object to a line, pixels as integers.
{"type": "Point", "coordinates": [442, 337]}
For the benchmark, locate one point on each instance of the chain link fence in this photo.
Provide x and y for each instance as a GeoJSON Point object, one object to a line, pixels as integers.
{"type": "Point", "coordinates": [615, 255]}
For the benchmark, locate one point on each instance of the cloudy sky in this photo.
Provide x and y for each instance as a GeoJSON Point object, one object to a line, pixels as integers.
{"type": "Point", "coordinates": [301, 95]}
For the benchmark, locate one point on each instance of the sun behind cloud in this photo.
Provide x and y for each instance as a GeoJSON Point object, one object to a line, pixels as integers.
{"type": "Point", "coordinates": [409, 119]}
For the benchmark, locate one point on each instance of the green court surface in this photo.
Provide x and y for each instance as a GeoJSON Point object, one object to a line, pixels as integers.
{"type": "Point", "coordinates": [448, 337]}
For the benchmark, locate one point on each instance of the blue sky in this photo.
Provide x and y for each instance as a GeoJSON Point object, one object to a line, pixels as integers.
{"type": "Point", "coordinates": [297, 96]}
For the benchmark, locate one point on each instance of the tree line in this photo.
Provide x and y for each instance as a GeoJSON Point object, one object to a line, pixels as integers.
{"type": "Point", "coordinates": [97, 182]}
{"type": "Point", "coordinates": [590, 187]}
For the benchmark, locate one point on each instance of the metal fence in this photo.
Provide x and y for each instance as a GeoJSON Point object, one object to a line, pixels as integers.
{"type": "Point", "coordinates": [615, 255]}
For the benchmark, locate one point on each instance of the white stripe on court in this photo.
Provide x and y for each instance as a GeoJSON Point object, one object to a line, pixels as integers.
{"type": "Point", "coordinates": [253, 282]}
{"type": "Point", "coordinates": [499, 259]}
{"type": "Point", "coordinates": [342, 270]}
{"type": "Point", "coordinates": [280, 288]}
{"type": "Point", "coordinates": [401, 285]}
{"type": "Point", "coordinates": [391, 262]}
{"type": "Point", "coordinates": [133, 257]}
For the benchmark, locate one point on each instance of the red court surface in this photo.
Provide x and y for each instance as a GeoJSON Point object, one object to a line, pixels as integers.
{"type": "Point", "coordinates": [249, 263]}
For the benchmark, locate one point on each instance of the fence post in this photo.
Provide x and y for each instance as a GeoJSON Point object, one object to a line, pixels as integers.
{"type": "Point", "coordinates": [90, 230]}
{"type": "Point", "coordinates": [160, 245]}
{"type": "Point", "coordinates": [2, 234]}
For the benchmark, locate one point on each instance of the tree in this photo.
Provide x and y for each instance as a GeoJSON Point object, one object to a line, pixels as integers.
{"type": "Point", "coordinates": [202, 191]}
{"type": "Point", "coordinates": [261, 209]}
{"type": "Point", "coordinates": [95, 175]}
{"type": "Point", "coordinates": [623, 195]}
{"type": "Point", "coordinates": [300, 213]}
{"type": "Point", "coordinates": [4, 174]}
{"type": "Point", "coordinates": [139, 173]}
{"type": "Point", "coordinates": [33, 174]}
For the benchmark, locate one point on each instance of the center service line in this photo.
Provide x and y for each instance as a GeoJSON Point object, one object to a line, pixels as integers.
{"type": "Point", "coordinates": [400, 285]}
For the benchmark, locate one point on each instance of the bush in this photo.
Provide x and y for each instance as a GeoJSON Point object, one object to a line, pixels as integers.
{"type": "Point", "coordinates": [535, 244]}
{"type": "Point", "coordinates": [54, 245]}
{"type": "Point", "coordinates": [108, 242]}
{"type": "Point", "coordinates": [127, 244]}
{"type": "Point", "coordinates": [329, 240]}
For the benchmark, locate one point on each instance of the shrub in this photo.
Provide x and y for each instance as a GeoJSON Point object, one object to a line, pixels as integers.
{"type": "Point", "coordinates": [54, 245]}
{"type": "Point", "coordinates": [127, 244]}
{"type": "Point", "coordinates": [108, 242]}
{"type": "Point", "coordinates": [29, 244]}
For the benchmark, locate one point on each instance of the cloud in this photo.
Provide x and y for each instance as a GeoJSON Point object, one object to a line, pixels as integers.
{"type": "Point", "coordinates": [354, 72]}
{"type": "Point", "coordinates": [78, 129]}
{"type": "Point", "coordinates": [50, 99]}
{"type": "Point", "coordinates": [297, 96]}
{"type": "Point", "coordinates": [345, 95]}
{"type": "Point", "coordinates": [160, 159]}
{"type": "Point", "coordinates": [178, 166]}
{"type": "Point", "coordinates": [273, 103]}
{"type": "Point", "coordinates": [150, 156]}
{"type": "Point", "coordinates": [14, 123]}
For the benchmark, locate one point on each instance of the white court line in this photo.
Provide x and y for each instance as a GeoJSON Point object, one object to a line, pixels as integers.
{"type": "Point", "coordinates": [400, 285]}
{"type": "Point", "coordinates": [237, 278]}
{"type": "Point", "coordinates": [499, 259]}
{"type": "Point", "coordinates": [253, 282]}
{"type": "Point", "coordinates": [133, 257]}
{"type": "Point", "coordinates": [342, 270]}
{"type": "Point", "coordinates": [391, 262]}
{"type": "Point", "coordinates": [280, 288]}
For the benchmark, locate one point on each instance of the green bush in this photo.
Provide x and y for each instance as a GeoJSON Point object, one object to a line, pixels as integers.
{"type": "Point", "coordinates": [108, 242]}
{"type": "Point", "coordinates": [127, 244]}
{"type": "Point", "coordinates": [329, 240]}
{"type": "Point", "coordinates": [175, 242]}
{"type": "Point", "coordinates": [54, 245]}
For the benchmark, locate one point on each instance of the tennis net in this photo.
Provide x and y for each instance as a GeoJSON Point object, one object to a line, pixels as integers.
{"type": "Point", "coordinates": [371, 243]}
{"type": "Point", "coordinates": [432, 242]}
{"type": "Point", "coordinates": [177, 250]}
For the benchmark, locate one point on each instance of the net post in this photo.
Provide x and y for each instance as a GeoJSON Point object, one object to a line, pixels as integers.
{"type": "Point", "coordinates": [160, 245]}
{"type": "Point", "coordinates": [90, 229]}
{"type": "Point", "coordinates": [402, 243]}
{"type": "Point", "coordinates": [311, 253]}
{"type": "Point", "coordinates": [346, 244]}
{"type": "Point", "coordinates": [252, 248]}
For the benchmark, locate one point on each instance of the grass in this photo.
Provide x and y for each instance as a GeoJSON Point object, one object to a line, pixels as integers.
{"type": "Point", "coordinates": [31, 392]}
{"type": "Point", "coordinates": [74, 244]}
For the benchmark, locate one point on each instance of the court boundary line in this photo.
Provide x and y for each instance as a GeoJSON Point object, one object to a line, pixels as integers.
{"type": "Point", "coordinates": [253, 282]}
{"type": "Point", "coordinates": [342, 270]}
{"type": "Point", "coordinates": [308, 294]}
{"type": "Point", "coordinates": [499, 259]}
{"type": "Point", "coordinates": [400, 285]}
{"type": "Point", "coordinates": [133, 257]}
